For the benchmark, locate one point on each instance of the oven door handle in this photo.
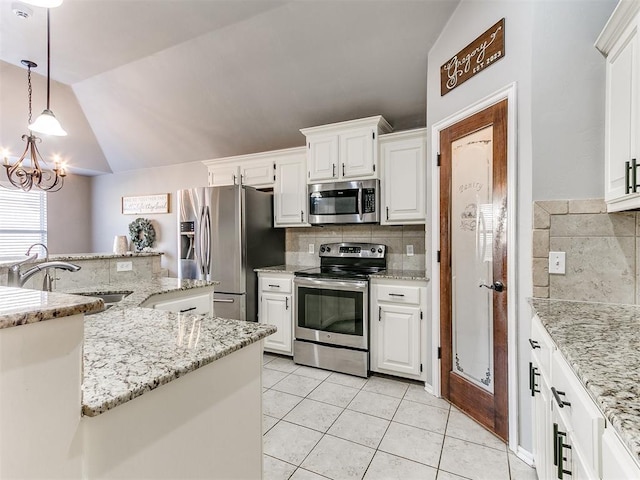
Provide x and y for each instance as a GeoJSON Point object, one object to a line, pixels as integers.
{"type": "Point", "coordinates": [353, 285]}
{"type": "Point", "coordinates": [360, 207]}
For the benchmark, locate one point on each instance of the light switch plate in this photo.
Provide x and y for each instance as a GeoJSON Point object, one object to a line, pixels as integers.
{"type": "Point", "coordinates": [311, 249]}
{"type": "Point", "coordinates": [557, 263]}
{"type": "Point", "coordinates": [409, 250]}
{"type": "Point", "coordinates": [124, 266]}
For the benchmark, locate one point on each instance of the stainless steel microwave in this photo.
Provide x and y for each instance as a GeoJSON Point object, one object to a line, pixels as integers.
{"type": "Point", "coordinates": [344, 202]}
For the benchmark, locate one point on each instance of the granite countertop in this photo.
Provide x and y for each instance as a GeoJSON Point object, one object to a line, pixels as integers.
{"type": "Point", "coordinates": [400, 274]}
{"type": "Point", "coordinates": [289, 268]}
{"type": "Point", "coordinates": [19, 306]}
{"type": "Point", "coordinates": [6, 262]}
{"type": "Point", "coordinates": [601, 342]}
{"type": "Point", "coordinates": [129, 350]}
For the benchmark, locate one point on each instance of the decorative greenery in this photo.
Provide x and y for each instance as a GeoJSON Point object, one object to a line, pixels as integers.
{"type": "Point", "coordinates": [142, 233]}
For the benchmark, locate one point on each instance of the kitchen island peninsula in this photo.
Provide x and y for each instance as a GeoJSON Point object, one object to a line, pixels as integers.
{"type": "Point", "coordinates": [128, 392]}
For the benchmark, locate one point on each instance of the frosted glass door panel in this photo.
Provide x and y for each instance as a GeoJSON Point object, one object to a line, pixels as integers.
{"type": "Point", "coordinates": [472, 257]}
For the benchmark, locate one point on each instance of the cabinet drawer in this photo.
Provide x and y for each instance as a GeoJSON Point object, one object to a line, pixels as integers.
{"type": "Point", "coordinates": [542, 346]}
{"type": "Point", "coordinates": [275, 284]}
{"type": "Point", "coordinates": [398, 294]}
{"type": "Point", "coordinates": [196, 304]}
{"type": "Point", "coordinates": [582, 416]}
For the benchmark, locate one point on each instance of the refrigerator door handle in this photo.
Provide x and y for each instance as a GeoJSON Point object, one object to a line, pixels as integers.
{"type": "Point", "coordinates": [207, 247]}
{"type": "Point", "coordinates": [201, 236]}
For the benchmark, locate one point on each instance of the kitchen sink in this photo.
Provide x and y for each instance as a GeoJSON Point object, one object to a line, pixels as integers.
{"type": "Point", "coordinates": [109, 298]}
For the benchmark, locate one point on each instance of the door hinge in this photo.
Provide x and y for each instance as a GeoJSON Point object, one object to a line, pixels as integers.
{"type": "Point", "coordinates": [438, 160]}
{"type": "Point", "coordinates": [439, 352]}
{"type": "Point", "coordinates": [420, 368]}
{"type": "Point", "coordinates": [438, 257]}
{"type": "Point", "coordinates": [421, 315]}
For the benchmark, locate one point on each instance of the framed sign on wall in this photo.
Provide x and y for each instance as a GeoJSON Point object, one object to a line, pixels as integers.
{"type": "Point", "coordinates": [484, 51]}
{"type": "Point", "coordinates": [136, 205]}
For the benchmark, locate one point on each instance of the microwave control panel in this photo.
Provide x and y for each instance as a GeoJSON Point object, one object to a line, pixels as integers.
{"type": "Point", "coordinates": [369, 200]}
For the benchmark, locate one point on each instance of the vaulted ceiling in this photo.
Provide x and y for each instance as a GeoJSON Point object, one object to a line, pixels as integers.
{"type": "Point", "coordinates": [144, 83]}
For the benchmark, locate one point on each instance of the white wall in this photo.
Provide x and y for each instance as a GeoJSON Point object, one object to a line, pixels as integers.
{"type": "Point", "coordinates": [108, 220]}
{"type": "Point", "coordinates": [560, 115]}
{"type": "Point", "coordinates": [568, 85]}
{"type": "Point", "coordinates": [69, 216]}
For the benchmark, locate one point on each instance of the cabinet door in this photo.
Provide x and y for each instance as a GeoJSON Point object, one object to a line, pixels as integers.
{"type": "Point", "coordinates": [398, 333]}
{"type": "Point", "coordinates": [621, 112]}
{"type": "Point", "coordinates": [357, 154]}
{"type": "Point", "coordinates": [290, 194]}
{"type": "Point", "coordinates": [542, 441]}
{"type": "Point", "coordinates": [224, 175]}
{"type": "Point", "coordinates": [404, 182]}
{"type": "Point", "coordinates": [258, 174]}
{"type": "Point", "coordinates": [276, 310]}
{"type": "Point", "coordinates": [322, 158]}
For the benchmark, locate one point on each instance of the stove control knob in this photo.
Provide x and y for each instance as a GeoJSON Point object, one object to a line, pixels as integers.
{"type": "Point", "coordinates": [373, 250]}
{"type": "Point", "coordinates": [379, 250]}
{"type": "Point", "coordinates": [322, 249]}
{"type": "Point", "coordinates": [328, 249]}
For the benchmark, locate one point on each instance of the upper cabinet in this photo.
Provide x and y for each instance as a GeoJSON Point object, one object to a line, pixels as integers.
{"type": "Point", "coordinates": [290, 190]}
{"type": "Point", "coordinates": [619, 43]}
{"type": "Point", "coordinates": [403, 182]}
{"type": "Point", "coordinates": [345, 150]}
{"type": "Point", "coordinates": [255, 170]}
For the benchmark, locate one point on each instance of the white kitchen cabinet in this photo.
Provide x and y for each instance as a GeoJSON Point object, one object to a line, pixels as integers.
{"type": "Point", "coordinates": [404, 177]}
{"type": "Point", "coordinates": [290, 191]}
{"type": "Point", "coordinates": [258, 174]}
{"type": "Point", "coordinates": [222, 175]}
{"type": "Point", "coordinates": [345, 150]}
{"type": "Point", "coordinates": [276, 308]}
{"type": "Point", "coordinates": [398, 327]}
{"type": "Point", "coordinates": [617, 461]}
{"type": "Point", "coordinates": [197, 301]}
{"type": "Point", "coordinates": [619, 43]}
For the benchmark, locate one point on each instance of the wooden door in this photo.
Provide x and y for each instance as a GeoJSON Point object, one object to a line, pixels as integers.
{"type": "Point", "coordinates": [473, 266]}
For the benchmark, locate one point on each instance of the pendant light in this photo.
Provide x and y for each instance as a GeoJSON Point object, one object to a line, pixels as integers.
{"type": "Point", "coordinates": [26, 177]}
{"type": "Point", "coordinates": [47, 123]}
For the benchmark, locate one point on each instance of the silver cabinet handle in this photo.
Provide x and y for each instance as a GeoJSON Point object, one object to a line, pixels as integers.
{"type": "Point", "coordinates": [387, 213]}
{"type": "Point", "coordinates": [556, 394]}
{"type": "Point", "coordinates": [223, 300]}
{"type": "Point", "coordinates": [302, 215]}
{"type": "Point", "coordinates": [286, 303]}
{"type": "Point", "coordinates": [274, 286]}
{"type": "Point", "coordinates": [333, 170]}
{"type": "Point", "coordinates": [396, 294]}
{"type": "Point", "coordinates": [234, 178]}
{"type": "Point", "coordinates": [534, 344]}
{"type": "Point", "coordinates": [188, 310]}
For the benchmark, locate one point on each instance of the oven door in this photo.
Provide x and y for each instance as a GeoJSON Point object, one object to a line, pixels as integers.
{"type": "Point", "coordinates": [332, 312]}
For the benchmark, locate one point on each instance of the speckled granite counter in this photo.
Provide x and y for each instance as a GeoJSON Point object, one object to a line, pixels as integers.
{"type": "Point", "coordinates": [130, 350]}
{"type": "Point", "coordinates": [402, 275]}
{"type": "Point", "coordinates": [19, 306]}
{"type": "Point", "coordinates": [602, 344]}
{"type": "Point", "coordinates": [289, 268]}
{"type": "Point", "coordinates": [97, 256]}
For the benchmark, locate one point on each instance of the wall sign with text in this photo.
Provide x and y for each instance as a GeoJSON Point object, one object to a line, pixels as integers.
{"type": "Point", "coordinates": [485, 50]}
{"type": "Point", "coordinates": [145, 204]}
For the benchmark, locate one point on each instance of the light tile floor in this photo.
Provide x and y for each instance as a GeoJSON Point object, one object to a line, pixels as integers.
{"type": "Point", "coordinates": [320, 425]}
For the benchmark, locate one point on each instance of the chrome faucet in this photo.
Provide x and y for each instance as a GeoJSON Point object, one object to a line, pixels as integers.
{"type": "Point", "coordinates": [47, 281]}
{"type": "Point", "coordinates": [16, 278]}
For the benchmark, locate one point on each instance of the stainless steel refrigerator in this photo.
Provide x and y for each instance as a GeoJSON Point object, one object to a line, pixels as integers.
{"type": "Point", "coordinates": [224, 234]}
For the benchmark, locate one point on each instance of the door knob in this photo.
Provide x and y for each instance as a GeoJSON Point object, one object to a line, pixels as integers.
{"type": "Point", "coordinates": [497, 286]}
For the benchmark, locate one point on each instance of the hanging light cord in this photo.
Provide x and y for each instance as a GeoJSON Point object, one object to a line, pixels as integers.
{"type": "Point", "coordinates": [30, 90]}
{"type": "Point", "coordinates": [48, 59]}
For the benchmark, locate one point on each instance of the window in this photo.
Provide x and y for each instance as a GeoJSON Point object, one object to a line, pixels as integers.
{"type": "Point", "coordinates": [23, 221]}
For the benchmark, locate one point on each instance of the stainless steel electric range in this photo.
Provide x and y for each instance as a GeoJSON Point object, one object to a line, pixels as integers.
{"type": "Point", "coordinates": [332, 308]}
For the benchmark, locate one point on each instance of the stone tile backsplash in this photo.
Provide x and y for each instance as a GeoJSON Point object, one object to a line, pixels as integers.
{"type": "Point", "coordinates": [602, 251]}
{"type": "Point", "coordinates": [396, 238]}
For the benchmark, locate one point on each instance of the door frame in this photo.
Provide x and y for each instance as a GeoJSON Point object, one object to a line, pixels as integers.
{"type": "Point", "coordinates": [508, 93]}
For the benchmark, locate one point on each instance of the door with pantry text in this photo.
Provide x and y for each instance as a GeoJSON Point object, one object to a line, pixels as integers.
{"type": "Point", "coordinates": [473, 266]}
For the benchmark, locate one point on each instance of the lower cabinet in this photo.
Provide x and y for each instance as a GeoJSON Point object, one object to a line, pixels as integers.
{"type": "Point", "coordinates": [398, 328]}
{"type": "Point", "coordinates": [276, 308]}
{"type": "Point", "coordinates": [199, 301]}
{"type": "Point", "coordinates": [570, 438]}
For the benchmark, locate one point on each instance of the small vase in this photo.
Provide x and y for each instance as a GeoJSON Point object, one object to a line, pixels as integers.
{"type": "Point", "coordinates": [120, 244]}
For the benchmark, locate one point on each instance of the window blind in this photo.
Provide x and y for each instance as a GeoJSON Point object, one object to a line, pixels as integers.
{"type": "Point", "coordinates": [23, 221]}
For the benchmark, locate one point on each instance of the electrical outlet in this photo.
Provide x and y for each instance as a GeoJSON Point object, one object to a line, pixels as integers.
{"type": "Point", "coordinates": [409, 250]}
{"type": "Point", "coordinates": [124, 266]}
{"type": "Point", "coordinates": [557, 263]}
{"type": "Point", "coordinates": [311, 248]}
